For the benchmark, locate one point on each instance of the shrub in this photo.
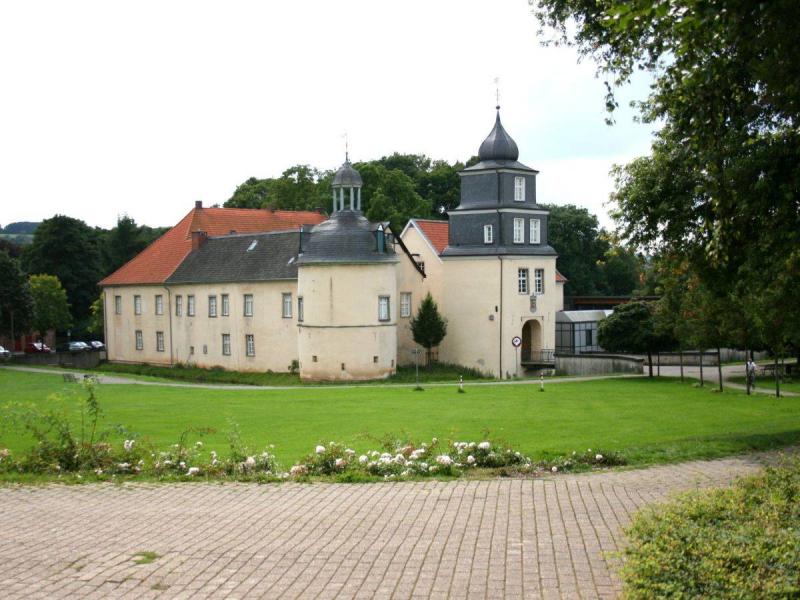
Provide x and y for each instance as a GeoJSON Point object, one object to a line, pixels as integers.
{"type": "Point", "coordinates": [741, 542]}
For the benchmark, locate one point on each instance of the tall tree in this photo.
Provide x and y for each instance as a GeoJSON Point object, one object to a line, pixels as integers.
{"type": "Point", "coordinates": [16, 304]}
{"type": "Point", "coordinates": [67, 248]}
{"type": "Point", "coordinates": [632, 328]}
{"type": "Point", "coordinates": [253, 193]}
{"type": "Point", "coordinates": [428, 327]}
{"type": "Point", "coordinates": [121, 244]}
{"type": "Point", "coordinates": [50, 305]}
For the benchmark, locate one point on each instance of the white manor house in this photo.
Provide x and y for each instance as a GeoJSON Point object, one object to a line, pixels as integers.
{"type": "Point", "coordinates": [258, 290]}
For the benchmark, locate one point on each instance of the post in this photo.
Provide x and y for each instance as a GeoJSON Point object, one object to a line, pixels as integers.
{"type": "Point", "coordinates": [461, 383]}
{"type": "Point", "coordinates": [701, 368]}
{"type": "Point", "coordinates": [777, 378]}
{"type": "Point", "coordinates": [541, 382]}
{"type": "Point", "coordinates": [719, 366]}
{"type": "Point", "coordinates": [516, 361]}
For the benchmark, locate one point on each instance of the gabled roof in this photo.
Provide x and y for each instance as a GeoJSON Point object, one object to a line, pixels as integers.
{"type": "Point", "coordinates": [437, 233]}
{"type": "Point", "coordinates": [160, 259]}
{"type": "Point", "coordinates": [560, 278]}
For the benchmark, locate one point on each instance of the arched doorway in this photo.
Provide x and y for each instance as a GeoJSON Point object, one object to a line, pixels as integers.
{"type": "Point", "coordinates": [531, 340]}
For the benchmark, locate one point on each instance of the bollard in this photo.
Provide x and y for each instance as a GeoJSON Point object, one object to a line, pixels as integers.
{"type": "Point", "coordinates": [461, 384]}
{"type": "Point", "coordinates": [541, 382]}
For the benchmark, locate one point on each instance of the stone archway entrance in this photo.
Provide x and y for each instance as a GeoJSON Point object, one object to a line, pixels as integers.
{"type": "Point", "coordinates": [531, 340]}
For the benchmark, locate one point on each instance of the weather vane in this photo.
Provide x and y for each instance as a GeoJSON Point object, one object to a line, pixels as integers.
{"type": "Point", "coordinates": [497, 91]}
{"type": "Point", "coordinates": [346, 148]}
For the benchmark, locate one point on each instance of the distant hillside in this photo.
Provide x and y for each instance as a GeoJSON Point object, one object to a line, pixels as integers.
{"type": "Point", "coordinates": [23, 227]}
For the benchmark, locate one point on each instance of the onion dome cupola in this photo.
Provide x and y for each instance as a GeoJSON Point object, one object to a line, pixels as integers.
{"type": "Point", "coordinates": [346, 186]}
{"type": "Point", "coordinates": [498, 146]}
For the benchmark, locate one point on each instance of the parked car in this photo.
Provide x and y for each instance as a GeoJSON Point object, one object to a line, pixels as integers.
{"type": "Point", "coordinates": [73, 347]}
{"type": "Point", "coordinates": [97, 345]}
{"type": "Point", "coordinates": [4, 353]}
{"type": "Point", "coordinates": [36, 347]}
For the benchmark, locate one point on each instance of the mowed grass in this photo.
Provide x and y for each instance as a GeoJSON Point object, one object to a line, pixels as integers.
{"type": "Point", "coordinates": [648, 421]}
{"type": "Point", "coordinates": [767, 382]}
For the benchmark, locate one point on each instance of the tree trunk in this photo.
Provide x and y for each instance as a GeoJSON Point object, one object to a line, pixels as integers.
{"type": "Point", "coordinates": [719, 367]}
{"type": "Point", "coordinates": [658, 360]}
{"type": "Point", "coordinates": [701, 369]}
{"type": "Point", "coordinates": [680, 354]}
{"type": "Point", "coordinates": [777, 379]}
{"type": "Point", "coordinates": [650, 362]}
{"type": "Point", "coordinates": [746, 370]}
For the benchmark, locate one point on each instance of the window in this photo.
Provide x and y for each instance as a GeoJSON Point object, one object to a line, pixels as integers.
{"type": "Point", "coordinates": [383, 308]}
{"type": "Point", "coordinates": [421, 265]}
{"type": "Point", "coordinates": [160, 341]}
{"type": "Point", "coordinates": [250, 345]}
{"type": "Point", "coordinates": [300, 308]}
{"type": "Point", "coordinates": [287, 306]}
{"type": "Point", "coordinates": [536, 231]}
{"type": "Point", "coordinates": [405, 304]}
{"type": "Point", "coordinates": [178, 305]}
{"type": "Point", "coordinates": [248, 305]}
{"type": "Point", "coordinates": [212, 306]}
{"type": "Point", "coordinates": [522, 281]}
{"type": "Point", "coordinates": [226, 344]}
{"type": "Point", "coordinates": [139, 340]}
{"type": "Point", "coordinates": [488, 234]}
{"type": "Point", "coordinates": [118, 305]}
{"type": "Point", "coordinates": [190, 305]}
{"type": "Point", "coordinates": [519, 189]}
{"type": "Point", "coordinates": [137, 305]}
{"type": "Point", "coordinates": [519, 231]}
{"type": "Point", "coordinates": [226, 305]}
{"type": "Point", "coordinates": [589, 337]}
{"type": "Point", "coordinates": [159, 304]}
{"type": "Point", "coordinates": [538, 281]}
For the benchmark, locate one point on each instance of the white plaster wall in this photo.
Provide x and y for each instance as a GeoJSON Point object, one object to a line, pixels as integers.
{"type": "Point", "coordinates": [121, 328]}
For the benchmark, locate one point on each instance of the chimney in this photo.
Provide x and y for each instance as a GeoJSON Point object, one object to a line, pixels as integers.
{"type": "Point", "coordinates": [198, 239]}
{"type": "Point", "coordinates": [198, 204]}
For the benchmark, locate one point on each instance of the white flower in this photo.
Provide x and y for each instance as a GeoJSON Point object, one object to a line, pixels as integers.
{"type": "Point", "coordinates": [598, 457]}
{"type": "Point", "coordinates": [339, 463]}
{"type": "Point", "coordinates": [167, 463]}
{"type": "Point", "coordinates": [470, 460]}
{"type": "Point", "coordinates": [124, 466]}
{"type": "Point", "coordinates": [298, 470]}
{"type": "Point", "coordinates": [320, 450]}
{"type": "Point", "coordinates": [444, 460]}
{"type": "Point", "coordinates": [213, 455]}
{"type": "Point", "coordinates": [423, 466]}
{"type": "Point", "coordinates": [400, 459]}
{"type": "Point", "coordinates": [128, 445]}
{"type": "Point", "coordinates": [486, 446]}
{"type": "Point", "coordinates": [349, 452]}
{"type": "Point", "coordinates": [363, 459]}
{"type": "Point", "coordinates": [374, 454]}
{"type": "Point", "coordinates": [250, 462]}
{"type": "Point", "coordinates": [98, 471]}
{"type": "Point", "coordinates": [435, 441]}
{"type": "Point", "coordinates": [554, 469]}
{"type": "Point", "coordinates": [193, 471]}
{"type": "Point", "coordinates": [182, 465]}
{"type": "Point", "coordinates": [589, 450]}
{"type": "Point", "coordinates": [199, 444]}
{"type": "Point", "coordinates": [433, 469]}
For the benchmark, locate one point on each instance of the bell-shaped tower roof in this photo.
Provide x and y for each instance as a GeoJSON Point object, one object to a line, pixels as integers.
{"type": "Point", "coordinates": [498, 145]}
{"type": "Point", "coordinates": [347, 176]}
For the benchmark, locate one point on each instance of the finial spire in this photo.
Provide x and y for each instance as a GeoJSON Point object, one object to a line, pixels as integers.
{"type": "Point", "coordinates": [346, 148]}
{"type": "Point", "coordinates": [497, 91]}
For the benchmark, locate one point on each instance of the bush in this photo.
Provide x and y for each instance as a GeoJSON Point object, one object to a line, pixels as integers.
{"type": "Point", "coordinates": [741, 542]}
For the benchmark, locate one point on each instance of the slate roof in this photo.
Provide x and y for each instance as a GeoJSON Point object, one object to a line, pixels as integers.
{"type": "Point", "coordinates": [347, 237]}
{"type": "Point", "coordinates": [347, 176]}
{"type": "Point", "coordinates": [247, 257]}
{"type": "Point", "coordinates": [161, 258]}
{"type": "Point", "coordinates": [498, 151]}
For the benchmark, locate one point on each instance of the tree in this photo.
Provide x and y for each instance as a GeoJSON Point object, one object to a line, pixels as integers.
{"type": "Point", "coordinates": [253, 193]}
{"type": "Point", "coordinates": [121, 244]}
{"type": "Point", "coordinates": [620, 270]}
{"type": "Point", "coordinates": [50, 306]}
{"type": "Point", "coordinates": [631, 328]}
{"type": "Point", "coordinates": [97, 319]}
{"type": "Point", "coordinates": [390, 195]}
{"type": "Point", "coordinates": [67, 248]}
{"type": "Point", "coordinates": [16, 304]}
{"type": "Point", "coordinates": [428, 327]}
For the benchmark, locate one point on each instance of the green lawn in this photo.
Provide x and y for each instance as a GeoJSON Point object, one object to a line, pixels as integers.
{"type": "Point", "coordinates": [792, 385]}
{"type": "Point", "coordinates": [647, 421]}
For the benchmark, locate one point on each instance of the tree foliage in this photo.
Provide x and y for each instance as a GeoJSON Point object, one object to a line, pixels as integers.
{"type": "Point", "coordinates": [16, 303]}
{"type": "Point", "coordinates": [50, 305]}
{"type": "Point", "coordinates": [632, 327]}
{"type": "Point", "coordinates": [428, 327]}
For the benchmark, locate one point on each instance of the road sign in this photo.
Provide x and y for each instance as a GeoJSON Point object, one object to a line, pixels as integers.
{"type": "Point", "coordinates": [516, 341]}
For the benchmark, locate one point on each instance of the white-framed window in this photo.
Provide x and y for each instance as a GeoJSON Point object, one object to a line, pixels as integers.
{"type": "Point", "coordinates": [190, 305]}
{"type": "Point", "coordinates": [118, 305]}
{"type": "Point", "coordinates": [226, 305]}
{"type": "Point", "coordinates": [178, 305]}
{"type": "Point", "coordinates": [519, 189]}
{"type": "Point", "coordinates": [300, 309]}
{"type": "Point", "coordinates": [522, 281]}
{"type": "Point", "coordinates": [286, 311]}
{"type": "Point", "coordinates": [160, 341]}
{"type": "Point", "coordinates": [405, 304]}
{"type": "Point", "coordinates": [538, 281]}
{"type": "Point", "coordinates": [383, 308]}
{"type": "Point", "coordinates": [519, 231]}
{"type": "Point", "coordinates": [488, 234]}
{"type": "Point", "coordinates": [250, 344]}
{"type": "Point", "coordinates": [536, 231]}
{"type": "Point", "coordinates": [226, 344]}
{"type": "Point", "coordinates": [159, 304]}
{"type": "Point", "coordinates": [212, 306]}
{"type": "Point", "coordinates": [248, 305]}
{"type": "Point", "coordinates": [137, 305]}
{"type": "Point", "coordinates": [139, 340]}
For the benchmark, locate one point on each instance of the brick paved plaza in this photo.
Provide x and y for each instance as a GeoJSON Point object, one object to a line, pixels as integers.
{"type": "Point", "coordinates": [509, 538]}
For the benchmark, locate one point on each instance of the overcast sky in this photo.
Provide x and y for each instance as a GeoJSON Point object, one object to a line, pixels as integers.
{"type": "Point", "coordinates": [141, 108]}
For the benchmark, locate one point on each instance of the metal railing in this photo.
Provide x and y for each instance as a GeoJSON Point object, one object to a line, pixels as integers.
{"type": "Point", "coordinates": [539, 356]}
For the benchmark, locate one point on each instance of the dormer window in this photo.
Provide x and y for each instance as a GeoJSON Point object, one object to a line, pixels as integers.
{"type": "Point", "coordinates": [488, 234]}
{"type": "Point", "coordinates": [519, 189]}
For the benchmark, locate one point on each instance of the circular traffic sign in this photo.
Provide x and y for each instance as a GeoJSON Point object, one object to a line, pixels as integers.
{"type": "Point", "coordinates": [516, 341]}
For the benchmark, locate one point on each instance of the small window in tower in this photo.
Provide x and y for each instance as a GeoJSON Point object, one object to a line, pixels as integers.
{"type": "Point", "coordinates": [383, 308]}
{"type": "Point", "coordinates": [287, 306]}
{"type": "Point", "coordinates": [375, 359]}
{"type": "Point", "coordinates": [488, 234]}
{"type": "Point", "coordinates": [522, 281]}
{"type": "Point", "coordinates": [519, 189]}
{"type": "Point", "coordinates": [536, 231]}
{"type": "Point", "coordinates": [519, 231]}
{"type": "Point", "coordinates": [538, 281]}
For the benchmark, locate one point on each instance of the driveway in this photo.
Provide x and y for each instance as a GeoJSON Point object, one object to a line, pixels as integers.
{"type": "Point", "coordinates": [506, 538]}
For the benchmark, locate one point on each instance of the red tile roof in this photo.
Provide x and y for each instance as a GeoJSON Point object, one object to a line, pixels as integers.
{"type": "Point", "coordinates": [159, 260]}
{"type": "Point", "coordinates": [437, 232]}
{"type": "Point", "coordinates": [560, 278]}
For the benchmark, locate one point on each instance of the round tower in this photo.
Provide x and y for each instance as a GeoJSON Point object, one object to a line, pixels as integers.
{"type": "Point", "coordinates": [347, 286]}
